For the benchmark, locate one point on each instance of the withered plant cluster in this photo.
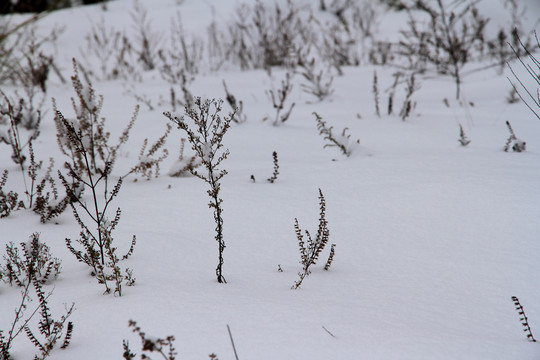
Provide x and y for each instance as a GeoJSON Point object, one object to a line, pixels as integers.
{"type": "Point", "coordinates": [30, 267]}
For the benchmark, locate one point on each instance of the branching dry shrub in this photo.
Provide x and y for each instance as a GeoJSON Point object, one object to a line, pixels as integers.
{"type": "Point", "coordinates": [37, 268]}
{"type": "Point", "coordinates": [8, 201]}
{"type": "Point", "coordinates": [205, 130]}
{"type": "Point", "coordinates": [150, 344]}
{"type": "Point", "coordinates": [11, 116]}
{"type": "Point", "coordinates": [91, 127]}
{"type": "Point", "coordinates": [448, 40]}
{"type": "Point", "coordinates": [103, 44]}
{"type": "Point", "coordinates": [98, 248]}
{"type": "Point", "coordinates": [32, 260]}
{"type": "Point", "coordinates": [181, 55]}
{"type": "Point", "coordinates": [309, 253]}
{"type": "Point", "coordinates": [266, 35]}
{"type": "Point", "coordinates": [147, 40]}
{"type": "Point", "coordinates": [318, 84]}
{"type": "Point", "coordinates": [22, 55]}
{"type": "Point", "coordinates": [279, 98]}
{"type": "Point", "coordinates": [342, 142]}
{"type": "Point", "coordinates": [44, 202]}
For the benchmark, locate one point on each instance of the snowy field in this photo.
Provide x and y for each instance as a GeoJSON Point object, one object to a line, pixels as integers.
{"type": "Point", "coordinates": [432, 238]}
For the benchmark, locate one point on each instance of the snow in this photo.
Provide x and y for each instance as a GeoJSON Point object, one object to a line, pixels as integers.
{"type": "Point", "coordinates": [432, 238]}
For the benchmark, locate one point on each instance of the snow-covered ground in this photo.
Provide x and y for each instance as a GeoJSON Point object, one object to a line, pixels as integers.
{"type": "Point", "coordinates": [432, 238]}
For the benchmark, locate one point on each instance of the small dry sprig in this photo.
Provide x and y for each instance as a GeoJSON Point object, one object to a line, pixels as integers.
{"type": "Point", "coordinates": [523, 319]}
{"type": "Point", "coordinates": [392, 93]}
{"type": "Point", "coordinates": [205, 130]}
{"type": "Point", "coordinates": [408, 105]}
{"type": "Point", "coordinates": [342, 142]}
{"type": "Point", "coordinates": [276, 168]}
{"type": "Point", "coordinates": [148, 165]}
{"type": "Point", "coordinates": [330, 257]}
{"type": "Point", "coordinates": [236, 106]}
{"type": "Point", "coordinates": [463, 140]}
{"type": "Point", "coordinates": [517, 145]}
{"type": "Point", "coordinates": [279, 98]}
{"type": "Point", "coordinates": [309, 253]}
{"type": "Point", "coordinates": [375, 90]}
{"type": "Point", "coordinates": [150, 344]}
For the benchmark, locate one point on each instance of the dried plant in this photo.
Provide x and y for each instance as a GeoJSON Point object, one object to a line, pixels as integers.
{"type": "Point", "coordinates": [279, 98]}
{"type": "Point", "coordinates": [523, 319]}
{"type": "Point", "coordinates": [51, 330]}
{"type": "Point", "coordinates": [274, 34]}
{"type": "Point", "coordinates": [91, 127]}
{"type": "Point", "coordinates": [11, 116]}
{"type": "Point", "coordinates": [103, 44]}
{"type": "Point", "coordinates": [147, 40]}
{"type": "Point", "coordinates": [342, 141]}
{"type": "Point", "coordinates": [309, 253]}
{"type": "Point", "coordinates": [150, 344]}
{"type": "Point", "coordinates": [236, 106]}
{"type": "Point", "coordinates": [463, 140]}
{"type": "Point", "coordinates": [99, 251]}
{"type": "Point", "coordinates": [181, 56]}
{"type": "Point", "coordinates": [8, 201]}
{"type": "Point", "coordinates": [517, 145]}
{"type": "Point", "coordinates": [32, 260]}
{"type": "Point", "coordinates": [46, 203]}
{"type": "Point", "coordinates": [408, 105]}
{"type": "Point", "coordinates": [184, 165]}
{"type": "Point", "coordinates": [455, 29]}
{"type": "Point", "coordinates": [375, 90]}
{"type": "Point", "coordinates": [205, 130]}
{"type": "Point", "coordinates": [318, 84]}
{"type": "Point", "coordinates": [330, 257]}
{"type": "Point", "coordinates": [392, 93]}
{"type": "Point", "coordinates": [276, 168]}
{"type": "Point", "coordinates": [148, 165]}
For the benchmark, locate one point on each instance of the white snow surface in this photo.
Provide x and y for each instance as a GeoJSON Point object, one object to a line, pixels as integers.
{"type": "Point", "coordinates": [432, 239]}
